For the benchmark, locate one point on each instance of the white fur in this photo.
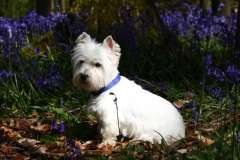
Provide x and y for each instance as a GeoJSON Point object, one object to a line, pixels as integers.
{"type": "Point", "coordinates": [142, 115]}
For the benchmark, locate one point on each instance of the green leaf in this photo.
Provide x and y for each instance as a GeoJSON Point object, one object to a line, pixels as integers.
{"type": "Point", "coordinates": [198, 154]}
{"type": "Point", "coordinates": [62, 113]}
{"type": "Point", "coordinates": [47, 139]}
{"type": "Point", "coordinates": [91, 117]}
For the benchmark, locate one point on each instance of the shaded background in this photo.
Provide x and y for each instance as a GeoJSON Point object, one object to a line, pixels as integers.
{"type": "Point", "coordinates": [18, 8]}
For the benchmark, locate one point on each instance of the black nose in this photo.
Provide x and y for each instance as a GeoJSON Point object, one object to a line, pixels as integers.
{"type": "Point", "coordinates": [84, 77]}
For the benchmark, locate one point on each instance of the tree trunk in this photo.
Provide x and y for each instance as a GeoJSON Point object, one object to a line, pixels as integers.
{"type": "Point", "coordinates": [13, 9]}
{"type": "Point", "coordinates": [225, 10]}
{"type": "Point", "coordinates": [63, 6]}
{"type": "Point", "coordinates": [205, 4]}
{"type": "Point", "coordinates": [43, 7]}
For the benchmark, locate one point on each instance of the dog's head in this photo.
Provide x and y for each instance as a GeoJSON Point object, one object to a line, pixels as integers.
{"type": "Point", "coordinates": [94, 64]}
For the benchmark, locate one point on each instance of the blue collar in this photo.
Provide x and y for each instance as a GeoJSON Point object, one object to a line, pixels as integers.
{"type": "Point", "coordinates": [109, 86]}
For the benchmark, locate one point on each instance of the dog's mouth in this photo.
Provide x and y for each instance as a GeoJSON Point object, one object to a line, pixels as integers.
{"type": "Point", "coordinates": [84, 82]}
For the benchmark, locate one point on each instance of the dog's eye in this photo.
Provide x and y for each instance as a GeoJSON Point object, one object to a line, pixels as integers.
{"type": "Point", "coordinates": [81, 61]}
{"type": "Point", "coordinates": [97, 64]}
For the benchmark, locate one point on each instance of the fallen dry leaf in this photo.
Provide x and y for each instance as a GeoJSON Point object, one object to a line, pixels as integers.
{"type": "Point", "coordinates": [5, 150]}
{"type": "Point", "coordinates": [205, 140]}
{"type": "Point", "coordinates": [41, 150]}
{"type": "Point", "coordinates": [19, 156]}
{"type": "Point", "coordinates": [41, 127]}
{"type": "Point", "coordinates": [28, 142]}
{"type": "Point", "coordinates": [190, 96]}
{"type": "Point", "coordinates": [178, 104]}
{"type": "Point", "coordinates": [34, 113]}
{"type": "Point", "coordinates": [190, 138]}
{"type": "Point", "coordinates": [183, 150]}
{"type": "Point", "coordinates": [24, 123]}
{"type": "Point", "coordinates": [62, 138]}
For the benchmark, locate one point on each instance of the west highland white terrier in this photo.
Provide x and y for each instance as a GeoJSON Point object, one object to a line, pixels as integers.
{"type": "Point", "coordinates": [141, 115]}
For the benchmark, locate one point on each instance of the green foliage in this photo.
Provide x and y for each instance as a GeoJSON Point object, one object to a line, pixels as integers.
{"type": "Point", "coordinates": [48, 139]}
{"type": "Point", "coordinates": [218, 150]}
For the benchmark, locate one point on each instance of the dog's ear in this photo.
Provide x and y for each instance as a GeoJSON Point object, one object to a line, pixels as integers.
{"type": "Point", "coordinates": [112, 45]}
{"type": "Point", "coordinates": [83, 38]}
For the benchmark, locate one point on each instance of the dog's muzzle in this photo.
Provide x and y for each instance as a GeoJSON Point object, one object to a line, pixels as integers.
{"type": "Point", "coordinates": [84, 77]}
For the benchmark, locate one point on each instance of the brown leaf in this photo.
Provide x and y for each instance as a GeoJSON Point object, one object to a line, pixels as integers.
{"type": "Point", "coordinates": [79, 144]}
{"type": "Point", "coordinates": [4, 131]}
{"type": "Point", "coordinates": [34, 113]}
{"type": "Point", "coordinates": [24, 123]}
{"type": "Point", "coordinates": [41, 150]}
{"type": "Point", "coordinates": [28, 142]}
{"type": "Point", "coordinates": [5, 150]}
{"type": "Point", "coordinates": [41, 127]}
{"type": "Point", "coordinates": [90, 145]}
{"type": "Point", "coordinates": [190, 96]}
{"type": "Point", "coordinates": [183, 150]}
{"type": "Point", "coordinates": [59, 150]}
{"type": "Point", "coordinates": [62, 138]}
{"type": "Point", "coordinates": [205, 140]}
{"type": "Point", "coordinates": [106, 147]}
{"type": "Point", "coordinates": [190, 138]}
{"type": "Point", "coordinates": [19, 156]}
{"type": "Point", "coordinates": [178, 104]}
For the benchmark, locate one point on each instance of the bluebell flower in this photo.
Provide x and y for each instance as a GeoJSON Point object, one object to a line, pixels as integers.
{"type": "Point", "coordinates": [3, 104]}
{"type": "Point", "coordinates": [195, 113]}
{"type": "Point", "coordinates": [57, 5]}
{"type": "Point", "coordinates": [4, 75]}
{"type": "Point", "coordinates": [61, 103]}
{"type": "Point", "coordinates": [74, 150]}
{"type": "Point", "coordinates": [238, 137]}
{"type": "Point", "coordinates": [61, 128]}
{"type": "Point", "coordinates": [191, 105]}
{"type": "Point", "coordinates": [220, 6]}
{"type": "Point", "coordinates": [54, 125]}
{"type": "Point", "coordinates": [231, 97]}
{"type": "Point", "coordinates": [217, 91]}
{"type": "Point", "coordinates": [207, 58]}
{"type": "Point", "coordinates": [76, 100]}
{"type": "Point", "coordinates": [231, 109]}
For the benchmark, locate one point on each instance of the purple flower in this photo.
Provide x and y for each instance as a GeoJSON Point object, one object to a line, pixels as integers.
{"type": "Point", "coordinates": [4, 75]}
{"type": "Point", "coordinates": [195, 113]}
{"type": "Point", "coordinates": [76, 100]}
{"type": "Point", "coordinates": [191, 105]}
{"type": "Point", "coordinates": [238, 137]}
{"type": "Point", "coordinates": [54, 125]}
{"type": "Point", "coordinates": [207, 59]}
{"type": "Point", "coordinates": [220, 6]}
{"type": "Point", "coordinates": [57, 5]}
{"type": "Point", "coordinates": [217, 92]}
{"type": "Point", "coordinates": [74, 150]}
{"type": "Point", "coordinates": [231, 109]}
{"type": "Point", "coordinates": [61, 103]}
{"type": "Point", "coordinates": [61, 128]}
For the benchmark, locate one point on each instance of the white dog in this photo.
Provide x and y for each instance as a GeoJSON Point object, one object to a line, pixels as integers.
{"type": "Point", "coordinates": [141, 115]}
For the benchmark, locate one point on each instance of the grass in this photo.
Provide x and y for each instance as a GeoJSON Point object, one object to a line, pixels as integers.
{"type": "Point", "coordinates": [192, 69]}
